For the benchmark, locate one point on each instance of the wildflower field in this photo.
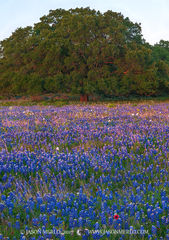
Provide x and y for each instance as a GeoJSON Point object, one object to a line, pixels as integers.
{"type": "Point", "coordinates": [84, 172]}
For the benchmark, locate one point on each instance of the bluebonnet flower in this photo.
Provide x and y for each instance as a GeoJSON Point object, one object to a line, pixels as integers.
{"type": "Point", "coordinates": [154, 230]}
{"type": "Point", "coordinates": [78, 185]}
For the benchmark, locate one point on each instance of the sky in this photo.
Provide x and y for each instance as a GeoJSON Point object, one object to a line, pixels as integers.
{"type": "Point", "coordinates": [152, 14]}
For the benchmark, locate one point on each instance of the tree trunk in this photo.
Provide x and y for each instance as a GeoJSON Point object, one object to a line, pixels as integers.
{"type": "Point", "coordinates": [84, 98]}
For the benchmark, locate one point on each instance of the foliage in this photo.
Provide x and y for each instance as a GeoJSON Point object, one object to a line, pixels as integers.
{"type": "Point", "coordinates": [82, 51]}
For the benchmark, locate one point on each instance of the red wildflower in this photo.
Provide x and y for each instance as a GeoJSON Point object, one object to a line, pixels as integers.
{"type": "Point", "coordinates": [116, 216]}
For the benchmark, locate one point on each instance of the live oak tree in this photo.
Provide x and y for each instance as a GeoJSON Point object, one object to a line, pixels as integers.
{"type": "Point", "coordinates": [82, 51]}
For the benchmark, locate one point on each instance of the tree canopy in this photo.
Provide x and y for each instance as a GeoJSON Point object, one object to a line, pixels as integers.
{"type": "Point", "coordinates": [83, 51]}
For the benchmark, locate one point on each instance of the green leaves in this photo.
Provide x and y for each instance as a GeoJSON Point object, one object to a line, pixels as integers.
{"type": "Point", "coordinates": [83, 51]}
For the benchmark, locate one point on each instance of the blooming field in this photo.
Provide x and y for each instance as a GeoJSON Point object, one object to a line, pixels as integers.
{"type": "Point", "coordinates": [84, 167]}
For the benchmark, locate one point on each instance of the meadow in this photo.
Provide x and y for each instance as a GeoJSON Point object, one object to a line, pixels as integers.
{"type": "Point", "coordinates": [84, 172]}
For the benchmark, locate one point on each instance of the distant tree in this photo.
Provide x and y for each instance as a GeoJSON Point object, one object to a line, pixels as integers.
{"type": "Point", "coordinates": [82, 51]}
{"type": "Point", "coordinates": [160, 53]}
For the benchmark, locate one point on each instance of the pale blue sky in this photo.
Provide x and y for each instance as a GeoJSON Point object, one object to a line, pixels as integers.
{"type": "Point", "coordinates": [152, 14]}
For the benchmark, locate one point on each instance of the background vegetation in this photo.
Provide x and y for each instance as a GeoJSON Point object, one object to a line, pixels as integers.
{"type": "Point", "coordinates": [83, 52]}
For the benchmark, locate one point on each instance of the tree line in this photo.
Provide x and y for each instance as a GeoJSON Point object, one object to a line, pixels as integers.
{"type": "Point", "coordinates": [86, 52]}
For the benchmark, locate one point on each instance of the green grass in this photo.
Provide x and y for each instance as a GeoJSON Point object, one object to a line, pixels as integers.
{"type": "Point", "coordinates": [111, 102]}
